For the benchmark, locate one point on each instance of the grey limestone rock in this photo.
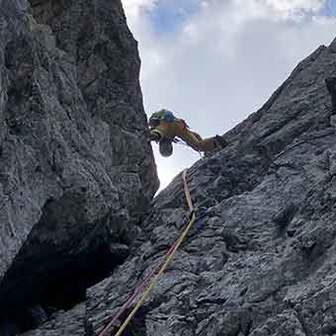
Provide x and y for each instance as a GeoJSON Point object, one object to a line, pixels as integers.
{"type": "Point", "coordinates": [76, 169]}
{"type": "Point", "coordinates": [71, 322]}
{"type": "Point", "coordinates": [261, 259]}
{"type": "Point", "coordinates": [77, 177]}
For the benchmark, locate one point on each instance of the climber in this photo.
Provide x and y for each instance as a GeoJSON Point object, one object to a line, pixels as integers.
{"type": "Point", "coordinates": [165, 128]}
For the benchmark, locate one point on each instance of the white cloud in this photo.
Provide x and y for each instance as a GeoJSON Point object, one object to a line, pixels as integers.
{"type": "Point", "coordinates": [135, 8]}
{"type": "Point", "coordinates": [224, 61]}
{"type": "Point", "coordinates": [285, 6]}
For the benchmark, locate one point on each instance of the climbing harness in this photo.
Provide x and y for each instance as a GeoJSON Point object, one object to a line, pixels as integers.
{"type": "Point", "coordinates": [154, 276]}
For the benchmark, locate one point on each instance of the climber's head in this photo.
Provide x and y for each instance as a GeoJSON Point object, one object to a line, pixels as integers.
{"type": "Point", "coordinates": [161, 115]}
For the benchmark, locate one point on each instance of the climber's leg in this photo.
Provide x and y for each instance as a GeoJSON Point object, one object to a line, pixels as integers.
{"type": "Point", "coordinates": [191, 138]}
{"type": "Point", "coordinates": [195, 141]}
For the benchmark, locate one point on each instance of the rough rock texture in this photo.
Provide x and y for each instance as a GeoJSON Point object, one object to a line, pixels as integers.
{"type": "Point", "coordinates": [76, 170]}
{"type": "Point", "coordinates": [261, 259]}
{"type": "Point", "coordinates": [77, 174]}
{"type": "Point", "coordinates": [71, 322]}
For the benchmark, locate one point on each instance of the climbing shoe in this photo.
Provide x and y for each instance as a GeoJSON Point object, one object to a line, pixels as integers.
{"type": "Point", "coordinates": [220, 142]}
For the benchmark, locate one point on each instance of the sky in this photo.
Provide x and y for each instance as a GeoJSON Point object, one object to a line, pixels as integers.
{"type": "Point", "coordinates": [214, 62]}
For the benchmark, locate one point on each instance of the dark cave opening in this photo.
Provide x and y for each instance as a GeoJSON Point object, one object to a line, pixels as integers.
{"type": "Point", "coordinates": [29, 302]}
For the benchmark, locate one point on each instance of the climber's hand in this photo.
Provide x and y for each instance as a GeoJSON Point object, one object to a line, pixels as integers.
{"type": "Point", "coordinates": [154, 136]}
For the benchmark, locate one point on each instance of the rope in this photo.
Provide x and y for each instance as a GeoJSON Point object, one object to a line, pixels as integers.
{"type": "Point", "coordinates": [155, 277]}
{"type": "Point", "coordinates": [187, 191]}
{"type": "Point", "coordinates": [129, 302]}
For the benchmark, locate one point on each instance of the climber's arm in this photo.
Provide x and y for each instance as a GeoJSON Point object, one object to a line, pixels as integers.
{"type": "Point", "coordinates": [154, 135]}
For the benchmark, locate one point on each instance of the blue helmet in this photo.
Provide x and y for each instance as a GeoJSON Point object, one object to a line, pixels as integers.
{"type": "Point", "coordinates": [162, 115]}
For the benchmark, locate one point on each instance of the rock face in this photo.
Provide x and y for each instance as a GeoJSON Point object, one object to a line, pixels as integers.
{"type": "Point", "coordinates": [261, 259]}
{"type": "Point", "coordinates": [76, 170]}
{"type": "Point", "coordinates": [77, 176]}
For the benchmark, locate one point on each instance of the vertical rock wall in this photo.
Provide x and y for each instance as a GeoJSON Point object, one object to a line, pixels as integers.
{"type": "Point", "coordinates": [76, 169]}
{"type": "Point", "coordinates": [261, 257]}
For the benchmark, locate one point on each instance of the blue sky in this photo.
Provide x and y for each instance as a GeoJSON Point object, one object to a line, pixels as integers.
{"type": "Point", "coordinates": [216, 63]}
{"type": "Point", "coordinates": [169, 15]}
{"type": "Point", "coordinates": [329, 8]}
